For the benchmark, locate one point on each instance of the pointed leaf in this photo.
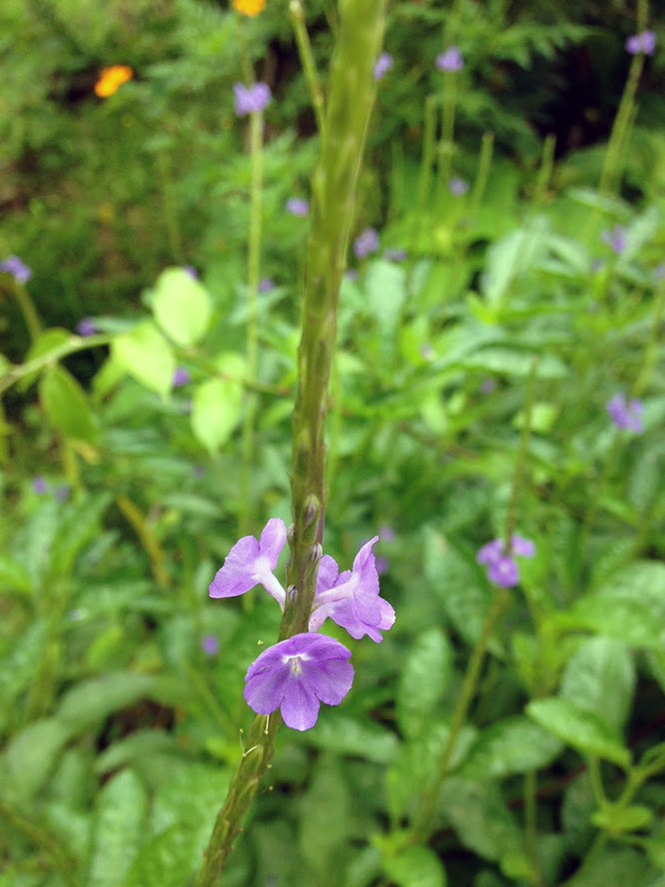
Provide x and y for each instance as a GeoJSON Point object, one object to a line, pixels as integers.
{"type": "Point", "coordinates": [66, 405]}
{"type": "Point", "coordinates": [145, 355]}
{"type": "Point", "coordinates": [181, 306]}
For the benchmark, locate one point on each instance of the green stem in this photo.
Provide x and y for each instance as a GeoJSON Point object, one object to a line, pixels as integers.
{"type": "Point", "coordinates": [28, 311]}
{"type": "Point", "coordinates": [307, 61]}
{"type": "Point", "coordinates": [42, 839]}
{"type": "Point", "coordinates": [71, 346]}
{"type": "Point", "coordinates": [253, 270]}
{"type": "Point", "coordinates": [334, 189]}
{"type": "Point", "coordinates": [522, 455]}
{"type": "Point", "coordinates": [424, 815]}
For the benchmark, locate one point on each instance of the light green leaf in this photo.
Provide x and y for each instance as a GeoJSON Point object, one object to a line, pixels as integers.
{"type": "Point", "coordinates": [478, 813]}
{"type": "Point", "coordinates": [181, 306]}
{"type": "Point", "coordinates": [348, 736]}
{"type": "Point", "coordinates": [385, 289]}
{"type": "Point", "coordinates": [622, 819]}
{"type": "Point", "coordinates": [90, 701]}
{"type": "Point", "coordinates": [581, 729]}
{"type": "Point", "coordinates": [514, 362]}
{"type": "Point", "coordinates": [513, 745]}
{"type": "Point", "coordinates": [31, 755]}
{"type": "Point", "coordinates": [423, 680]}
{"type": "Point", "coordinates": [217, 403]}
{"type": "Point", "coordinates": [600, 678]}
{"type": "Point", "coordinates": [415, 867]}
{"type": "Point", "coordinates": [66, 405]}
{"type": "Point", "coordinates": [13, 575]}
{"type": "Point", "coordinates": [145, 355]}
{"type": "Point", "coordinates": [325, 818]}
{"type": "Point", "coordinates": [165, 860]}
{"type": "Point", "coordinates": [48, 342]}
{"type": "Point", "coordinates": [118, 830]}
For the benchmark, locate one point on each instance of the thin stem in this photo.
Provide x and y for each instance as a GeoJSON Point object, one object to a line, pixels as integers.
{"type": "Point", "coordinates": [71, 346]}
{"type": "Point", "coordinates": [147, 537]}
{"type": "Point", "coordinates": [307, 61]}
{"type": "Point", "coordinates": [522, 455]}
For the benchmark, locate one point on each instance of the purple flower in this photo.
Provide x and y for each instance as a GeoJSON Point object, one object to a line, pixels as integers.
{"type": "Point", "coordinates": [251, 100]}
{"type": "Point", "coordinates": [626, 414]}
{"type": "Point", "coordinates": [296, 675]}
{"type": "Point", "coordinates": [487, 386]}
{"type": "Point", "coordinates": [39, 485]}
{"type": "Point", "coordinates": [395, 255]}
{"type": "Point", "coordinates": [616, 238]}
{"type": "Point", "coordinates": [210, 644]}
{"type": "Point", "coordinates": [644, 42]}
{"type": "Point", "coordinates": [457, 187]}
{"type": "Point", "coordinates": [382, 565]}
{"type": "Point", "coordinates": [382, 65]}
{"type": "Point", "coordinates": [366, 243]}
{"type": "Point", "coordinates": [19, 271]}
{"type": "Point", "coordinates": [386, 533]}
{"type": "Point", "coordinates": [191, 270]}
{"type": "Point", "coordinates": [181, 376]}
{"type": "Point", "coordinates": [297, 206]}
{"type": "Point", "coordinates": [351, 599]}
{"type": "Point", "coordinates": [265, 285]}
{"type": "Point", "coordinates": [86, 327]}
{"type": "Point", "coordinates": [501, 566]}
{"type": "Point", "coordinates": [250, 562]}
{"type": "Point", "coordinates": [450, 60]}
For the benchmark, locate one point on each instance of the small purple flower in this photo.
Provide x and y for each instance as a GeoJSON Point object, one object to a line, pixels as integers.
{"type": "Point", "coordinates": [644, 42]}
{"type": "Point", "coordinates": [382, 565]}
{"type": "Point", "coordinates": [210, 644]}
{"type": "Point", "coordinates": [450, 60]}
{"type": "Point", "coordinates": [191, 270]}
{"type": "Point", "coordinates": [351, 599]}
{"type": "Point", "coordinates": [18, 269]}
{"type": "Point", "coordinates": [487, 386]}
{"type": "Point", "coordinates": [457, 186]}
{"type": "Point", "coordinates": [616, 239]}
{"type": "Point", "coordinates": [386, 533]}
{"type": "Point", "coordinates": [366, 243]}
{"type": "Point", "coordinates": [382, 65]}
{"type": "Point", "coordinates": [297, 206]}
{"type": "Point", "coordinates": [181, 376]}
{"type": "Point", "coordinates": [251, 562]}
{"type": "Point", "coordinates": [251, 100]}
{"type": "Point", "coordinates": [265, 285]}
{"type": "Point", "coordinates": [39, 485]}
{"type": "Point", "coordinates": [626, 414]}
{"type": "Point", "coordinates": [86, 327]}
{"type": "Point", "coordinates": [395, 255]}
{"type": "Point", "coordinates": [296, 675]}
{"type": "Point", "coordinates": [501, 566]}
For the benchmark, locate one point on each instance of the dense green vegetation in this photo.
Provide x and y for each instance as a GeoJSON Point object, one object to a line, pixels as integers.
{"type": "Point", "coordinates": [499, 369]}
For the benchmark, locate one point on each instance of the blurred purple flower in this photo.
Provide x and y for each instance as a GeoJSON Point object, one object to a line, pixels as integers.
{"type": "Point", "coordinates": [626, 414]}
{"type": "Point", "coordinates": [382, 65]}
{"type": "Point", "coordinates": [210, 644]}
{"type": "Point", "coordinates": [86, 327]}
{"type": "Point", "coordinates": [367, 242]}
{"type": "Point", "coordinates": [450, 60]}
{"type": "Point", "coordinates": [386, 533]}
{"type": "Point", "coordinates": [18, 269]}
{"type": "Point", "coordinates": [457, 187]}
{"type": "Point", "coordinates": [296, 675]}
{"type": "Point", "coordinates": [297, 206]}
{"type": "Point", "coordinates": [265, 285]}
{"type": "Point", "coordinates": [644, 42]}
{"type": "Point", "coordinates": [252, 99]}
{"type": "Point", "coordinates": [616, 239]}
{"type": "Point", "coordinates": [39, 484]}
{"type": "Point", "coordinates": [382, 565]}
{"type": "Point", "coordinates": [395, 255]}
{"type": "Point", "coordinates": [191, 270]}
{"type": "Point", "coordinates": [487, 386]}
{"type": "Point", "coordinates": [501, 566]}
{"type": "Point", "coordinates": [181, 377]}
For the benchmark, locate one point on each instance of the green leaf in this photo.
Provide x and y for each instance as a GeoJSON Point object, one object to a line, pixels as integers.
{"type": "Point", "coordinates": [90, 701]}
{"type": "Point", "coordinates": [514, 362]}
{"type": "Point", "coordinates": [581, 729]}
{"type": "Point", "coordinates": [19, 666]}
{"type": "Point", "coordinates": [622, 819]}
{"type": "Point", "coordinates": [415, 867]}
{"type": "Point", "coordinates": [325, 818]}
{"type": "Point", "coordinates": [145, 355]}
{"type": "Point", "coordinates": [118, 830]}
{"type": "Point", "coordinates": [31, 755]}
{"type": "Point", "coordinates": [423, 680]}
{"type": "Point", "coordinates": [13, 575]}
{"type": "Point", "coordinates": [478, 813]}
{"type": "Point", "coordinates": [165, 860]}
{"type": "Point", "coordinates": [385, 289]}
{"type": "Point", "coordinates": [217, 403]}
{"type": "Point", "coordinates": [46, 343]}
{"type": "Point", "coordinates": [181, 306]}
{"type": "Point", "coordinates": [66, 405]}
{"type": "Point", "coordinates": [350, 736]}
{"type": "Point", "coordinates": [600, 678]}
{"type": "Point", "coordinates": [513, 745]}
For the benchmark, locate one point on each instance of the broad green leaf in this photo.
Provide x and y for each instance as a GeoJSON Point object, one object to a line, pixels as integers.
{"type": "Point", "coordinates": [423, 680]}
{"type": "Point", "coordinates": [514, 362]}
{"type": "Point", "coordinates": [79, 525]}
{"type": "Point", "coordinates": [31, 755]}
{"type": "Point", "coordinates": [478, 813]}
{"type": "Point", "coordinates": [600, 678]}
{"type": "Point", "coordinates": [510, 256]}
{"type": "Point", "coordinates": [181, 306]}
{"type": "Point", "coordinates": [66, 405]}
{"type": "Point", "coordinates": [416, 867]}
{"type": "Point", "coordinates": [622, 819]}
{"type": "Point", "coordinates": [90, 701]}
{"type": "Point", "coordinates": [217, 403]}
{"type": "Point", "coordinates": [13, 575]}
{"type": "Point", "coordinates": [385, 289]}
{"type": "Point", "coordinates": [581, 729]}
{"type": "Point", "coordinates": [620, 866]}
{"type": "Point", "coordinates": [19, 665]}
{"type": "Point", "coordinates": [513, 745]}
{"type": "Point", "coordinates": [145, 355]}
{"type": "Point", "coordinates": [164, 860]}
{"type": "Point", "coordinates": [118, 830]}
{"type": "Point", "coordinates": [346, 735]}
{"type": "Point", "coordinates": [325, 819]}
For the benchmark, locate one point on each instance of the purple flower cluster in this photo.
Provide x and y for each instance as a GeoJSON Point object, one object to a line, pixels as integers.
{"type": "Point", "coordinates": [458, 187]}
{"type": "Point", "coordinates": [86, 327]}
{"type": "Point", "coordinates": [626, 413]}
{"type": "Point", "coordinates": [297, 674]}
{"type": "Point", "coordinates": [181, 376]}
{"type": "Point", "coordinates": [18, 269]}
{"type": "Point", "coordinates": [501, 565]}
{"type": "Point", "coordinates": [366, 243]}
{"type": "Point", "coordinates": [251, 99]}
{"type": "Point", "coordinates": [450, 60]}
{"type": "Point", "coordinates": [616, 239]}
{"type": "Point", "coordinates": [644, 42]}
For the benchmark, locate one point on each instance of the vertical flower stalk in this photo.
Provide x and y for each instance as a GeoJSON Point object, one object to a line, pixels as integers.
{"type": "Point", "coordinates": [351, 96]}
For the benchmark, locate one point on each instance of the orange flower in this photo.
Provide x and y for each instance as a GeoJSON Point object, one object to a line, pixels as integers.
{"type": "Point", "coordinates": [248, 7]}
{"type": "Point", "coordinates": [111, 79]}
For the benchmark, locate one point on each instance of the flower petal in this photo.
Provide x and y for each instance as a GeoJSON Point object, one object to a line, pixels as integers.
{"type": "Point", "coordinates": [300, 707]}
{"type": "Point", "coordinates": [273, 540]}
{"type": "Point", "coordinates": [236, 575]}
